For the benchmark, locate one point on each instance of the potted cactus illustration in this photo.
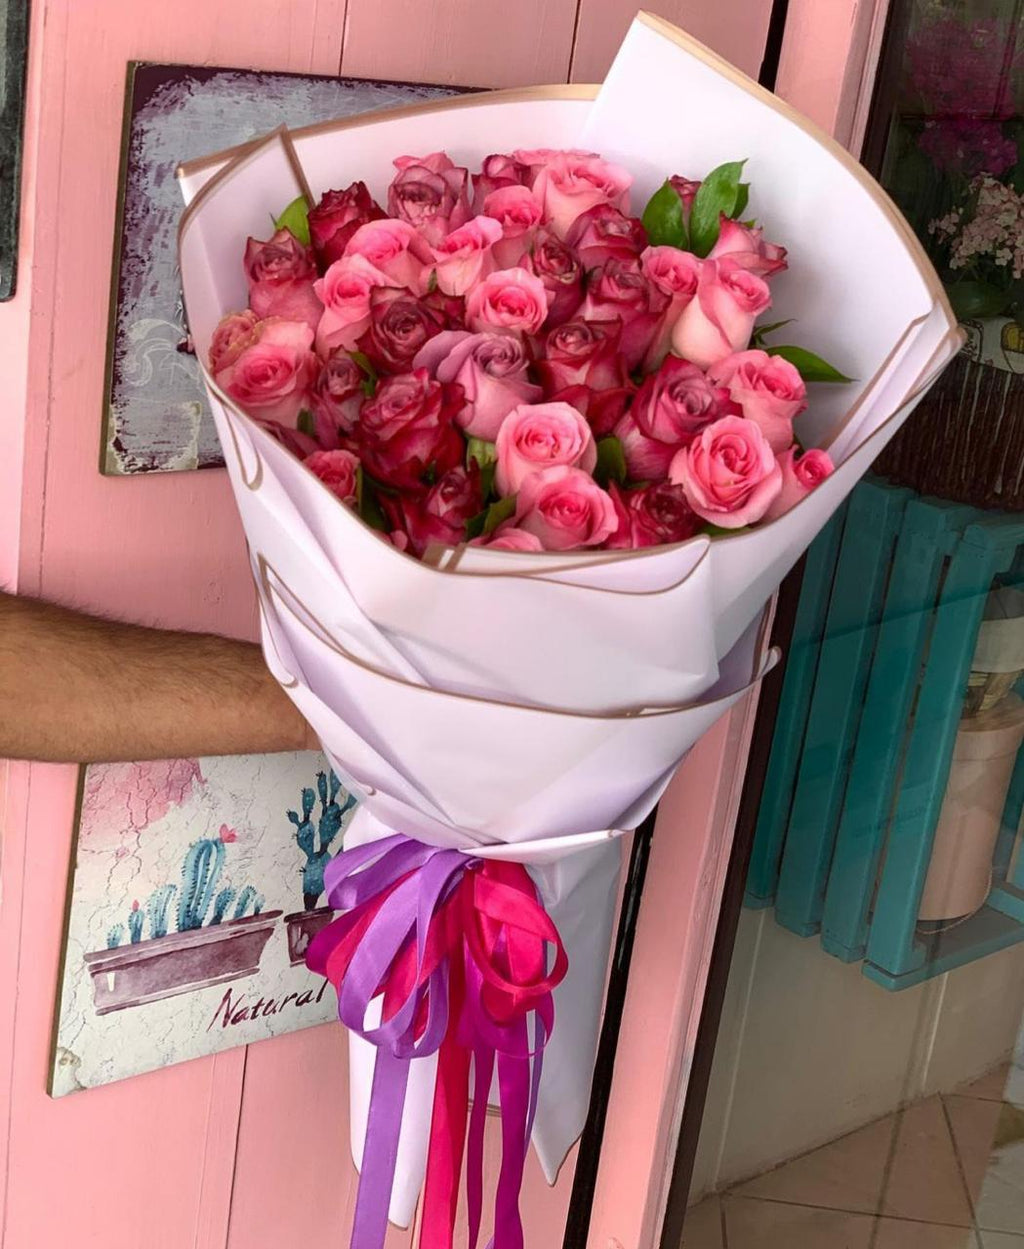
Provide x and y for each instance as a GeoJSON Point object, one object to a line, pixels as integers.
{"type": "Point", "coordinates": [317, 844]}
{"type": "Point", "coordinates": [220, 935]}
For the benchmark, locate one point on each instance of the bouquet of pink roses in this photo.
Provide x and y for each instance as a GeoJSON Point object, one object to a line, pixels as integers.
{"type": "Point", "coordinates": [508, 357]}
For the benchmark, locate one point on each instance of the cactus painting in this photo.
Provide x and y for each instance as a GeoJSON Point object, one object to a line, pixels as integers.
{"type": "Point", "coordinates": [315, 840]}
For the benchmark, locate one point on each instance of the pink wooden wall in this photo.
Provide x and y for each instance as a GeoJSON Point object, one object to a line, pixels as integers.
{"type": "Point", "coordinates": [248, 1150]}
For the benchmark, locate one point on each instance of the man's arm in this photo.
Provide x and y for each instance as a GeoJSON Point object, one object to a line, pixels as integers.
{"type": "Point", "coordinates": [75, 688]}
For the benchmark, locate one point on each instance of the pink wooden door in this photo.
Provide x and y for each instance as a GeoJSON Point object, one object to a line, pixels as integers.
{"type": "Point", "coordinates": [249, 1150]}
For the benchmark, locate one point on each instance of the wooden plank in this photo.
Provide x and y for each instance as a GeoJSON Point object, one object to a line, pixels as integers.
{"type": "Point", "coordinates": [461, 42]}
{"type": "Point", "coordinates": [735, 30]}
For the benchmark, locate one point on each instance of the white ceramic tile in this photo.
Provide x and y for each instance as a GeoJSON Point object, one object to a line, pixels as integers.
{"type": "Point", "coordinates": [753, 1224]}
{"type": "Point", "coordinates": [990, 1141]}
{"type": "Point", "coordinates": [924, 1180]}
{"type": "Point", "coordinates": [703, 1226]}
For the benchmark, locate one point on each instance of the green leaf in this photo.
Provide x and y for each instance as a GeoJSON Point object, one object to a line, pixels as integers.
{"type": "Point", "coordinates": [370, 377]}
{"type": "Point", "coordinates": [432, 284]}
{"type": "Point", "coordinates": [663, 219]}
{"type": "Point", "coordinates": [483, 452]}
{"type": "Point", "coordinates": [475, 525]}
{"type": "Point", "coordinates": [498, 513]}
{"type": "Point", "coordinates": [296, 219]}
{"type": "Point", "coordinates": [761, 330]}
{"type": "Point", "coordinates": [719, 194]}
{"type": "Point", "coordinates": [366, 502]}
{"type": "Point", "coordinates": [810, 367]}
{"type": "Point", "coordinates": [305, 423]}
{"type": "Point", "coordinates": [611, 462]}
{"type": "Point", "coordinates": [742, 200]}
{"type": "Point", "coordinates": [718, 531]}
{"type": "Point", "coordinates": [972, 299]}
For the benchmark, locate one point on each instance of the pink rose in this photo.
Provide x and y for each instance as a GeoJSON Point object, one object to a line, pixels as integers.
{"type": "Point", "coordinates": [686, 189]}
{"type": "Point", "coordinates": [467, 255]}
{"type": "Point", "coordinates": [603, 233]}
{"type": "Point", "coordinates": [399, 326]}
{"type": "Point", "coordinates": [746, 246]}
{"type": "Point", "coordinates": [490, 368]}
{"type": "Point", "coordinates": [281, 273]}
{"type": "Point", "coordinates": [671, 408]}
{"type": "Point", "coordinates": [569, 185]}
{"type": "Point", "coordinates": [604, 409]}
{"type": "Point", "coordinates": [439, 516]}
{"type": "Point", "coordinates": [721, 318]}
{"type": "Point", "coordinates": [395, 250]}
{"type": "Point", "coordinates": [337, 217]}
{"type": "Point", "coordinates": [517, 211]}
{"type": "Point", "coordinates": [583, 353]}
{"type": "Point", "coordinates": [654, 515]}
{"type": "Point", "coordinates": [508, 538]}
{"type": "Point", "coordinates": [336, 398]}
{"type": "Point", "coordinates": [346, 290]}
{"type": "Point", "coordinates": [799, 477]}
{"type": "Point", "coordinates": [496, 172]}
{"type": "Point", "coordinates": [407, 429]}
{"type": "Point", "coordinates": [534, 160]}
{"type": "Point", "coordinates": [621, 290]}
{"type": "Point", "coordinates": [271, 378]}
{"type": "Point", "coordinates": [539, 436]}
{"type": "Point", "coordinates": [676, 274]}
{"type": "Point", "coordinates": [233, 334]}
{"type": "Point", "coordinates": [429, 193]}
{"type": "Point", "coordinates": [337, 470]}
{"type": "Point", "coordinates": [510, 299]}
{"type": "Point", "coordinates": [562, 274]}
{"type": "Point", "coordinates": [729, 473]}
{"type": "Point", "coordinates": [565, 508]}
{"type": "Point", "coordinates": [768, 389]}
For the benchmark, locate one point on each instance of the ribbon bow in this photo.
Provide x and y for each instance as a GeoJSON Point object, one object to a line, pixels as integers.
{"type": "Point", "coordinates": [457, 949]}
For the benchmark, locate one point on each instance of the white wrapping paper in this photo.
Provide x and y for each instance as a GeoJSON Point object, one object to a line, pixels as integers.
{"type": "Point", "coordinates": [532, 707]}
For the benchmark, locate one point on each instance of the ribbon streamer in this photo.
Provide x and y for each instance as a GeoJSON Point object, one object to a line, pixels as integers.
{"type": "Point", "coordinates": [458, 949]}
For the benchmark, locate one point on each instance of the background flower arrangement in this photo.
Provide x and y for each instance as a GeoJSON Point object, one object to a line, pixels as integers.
{"type": "Point", "coordinates": [510, 358]}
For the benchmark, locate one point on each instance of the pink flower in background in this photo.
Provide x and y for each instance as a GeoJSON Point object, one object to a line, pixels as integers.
{"type": "Point", "coordinates": [677, 275]}
{"type": "Point", "coordinates": [466, 255]}
{"type": "Point", "coordinates": [346, 289]}
{"type": "Point", "coordinates": [496, 172]}
{"type": "Point", "coordinates": [394, 249]}
{"type": "Point", "coordinates": [729, 473]}
{"type": "Point", "coordinates": [338, 470]}
{"type": "Point", "coordinates": [226, 835]}
{"type": "Point", "coordinates": [669, 411]}
{"type": "Point", "coordinates": [622, 291]}
{"type": "Point", "coordinates": [565, 508]}
{"type": "Point", "coordinates": [337, 217]}
{"type": "Point", "coordinates": [271, 378]}
{"type": "Point", "coordinates": [235, 332]}
{"type": "Point", "coordinates": [583, 353]}
{"type": "Point", "coordinates": [746, 246]}
{"type": "Point", "coordinates": [336, 398]}
{"type": "Point", "coordinates": [399, 326]}
{"type": "Point", "coordinates": [570, 184]}
{"type": "Point", "coordinates": [800, 474]}
{"type": "Point", "coordinates": [430, 194]}
{"type": "Point", "coordinates": [720, 320]}
{"type": "Point", "coordinates": [536, 159]}
{"type": "Point", "coordinates": [490, 368]}
{"type": "Point", "coordinates": [561, 273]}
{"type": "Point", "coordinates": [281, 273]}
{"type": "Point", "coordinates": [604, 233]}
{"type": "Point", "coordinates": [517, 211]}
{"type": "Point", "coordinates": [539, 436]}
{"type": "Point", "coordinates": [510, 299]}
{"type": "Point", "coordinates": [768, 389]}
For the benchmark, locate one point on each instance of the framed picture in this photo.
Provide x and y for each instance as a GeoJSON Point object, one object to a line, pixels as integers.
{"type": "Point", "coordinates": [155, 415]}
{"type": "Point", "coordinates": [196, 887]}
{"type": "Point", "coordinates": [14, 16]}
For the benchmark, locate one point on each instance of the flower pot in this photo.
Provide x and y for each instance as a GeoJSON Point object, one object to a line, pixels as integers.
{"type": "Point", "coordinates": [960, 873]}
{"type": "Point", "coordinates": [131, 975]}
{"type": "Point", "coordinates": [302, 927]}
{"type": "Point", "coordinates": [999, 655]}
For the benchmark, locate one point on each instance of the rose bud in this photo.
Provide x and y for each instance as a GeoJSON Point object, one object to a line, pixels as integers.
{"type": "Point", "coordinates": [799, 477]}
{"type": "Point", "coordinates": [686, 189]}
{"type": "Point", "coordinates": [562, 274]}
{"type": "Point", "coordinates": [281, 273]}
{"type": "Point", "coordinates": [490, 369]}
{"type": "Point", "coordinates": [337, 470]}
{"type": "Point", "coordinates": [517, 211]}
{"type": "Point", "coordinates": [439, 516]}
{"type": "Point", "coordinates": [676, 274]}
{"type": "Point", "coordinates": [721, 318]}
{"type": "Point", "coordinates": [565, 508]}
{"type": "Point", "coordinates": [621, 289]}
{"type": "Point", "coordinates": [271, 377]}
{"type": "Point", "coordinates": [337, 217]}
{"type": "Point", "coordinates": [604, 233]}
{"type": "Point", "coordinates": [746, 246]}
{"type": "Point", "coordinates": [408, 428]}
{"type": "Point", "coordinates": [769, 391]}
{"type": "Point", "coordinates": [496, 172]}
{"type": "Point", "coordinates": [671, 408]}
{"type": "Point", "coordinates": [430, 194]}
{"type": "Point", "coordinates": [582, 353]}
{"type": "Point", "coordinates": [729, 473]}
{"type": "Point", "coordinates": [399, 326]}
{"type": "Point", "coordinates": [570, 184]}
{"type": "Point", "coordinates": [336, 398]}
{"type": "Point", "coordinates": [510, 299]}
{"type": "Point", "coordinates": [508, 538]}
{"type": "Point", "coordinates": [233, 334]}
{"type": "Point", "coordinates": [538, 436]}
{"type": "Point", "coordinates": [394, 250]}
{"type": "Point", "coordinates": [467, 255]}
{"type": "Point", "coordinates": [538, 158]}
{"type": "Point", "coordinates": [654, 515]}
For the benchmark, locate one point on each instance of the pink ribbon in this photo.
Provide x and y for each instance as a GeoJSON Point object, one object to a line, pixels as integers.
{"type": "Point", "coordinates": [458, 948]}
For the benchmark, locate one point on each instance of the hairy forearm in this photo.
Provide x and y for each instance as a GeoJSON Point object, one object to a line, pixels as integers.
{"type": "Point", "coordinates": [75, 688]}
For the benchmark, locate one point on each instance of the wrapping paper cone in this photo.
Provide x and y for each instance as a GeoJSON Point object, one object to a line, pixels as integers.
{"type": "Point", "coordinates": [525, 708]}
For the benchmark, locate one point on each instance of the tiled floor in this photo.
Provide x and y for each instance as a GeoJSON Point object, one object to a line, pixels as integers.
{"type": "Point", "coordinates": [945, 1173]}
